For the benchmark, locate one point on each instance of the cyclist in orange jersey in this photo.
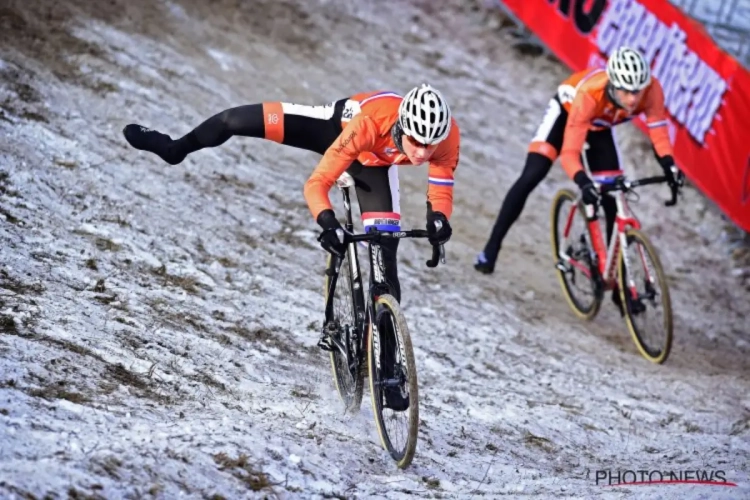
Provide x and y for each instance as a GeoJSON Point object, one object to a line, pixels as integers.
{"type": "Point", "coordinates": [367, 135]}
{"type": "Point", "coordinates": [578, 122]}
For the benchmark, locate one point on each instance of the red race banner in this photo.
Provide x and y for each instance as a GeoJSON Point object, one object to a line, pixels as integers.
{"type": "Point", "coordinates": [707, 92]}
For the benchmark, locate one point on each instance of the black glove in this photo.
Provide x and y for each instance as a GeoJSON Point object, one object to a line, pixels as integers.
{"type": "Point", "coordinates": [675, 177]}
{"type": "Point", "coordinates": [438, 228]}
{"type": "Point", "coordinates": [333, 239]}
{"type": "Point", "coordinates": [589, 192]}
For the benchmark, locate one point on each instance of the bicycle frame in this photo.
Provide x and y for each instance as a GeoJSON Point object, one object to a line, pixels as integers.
{"type": "Point", "coordinates": [364, 309]}
{"type": "Point", "coordinates": [604, 258]}
{"type": "Point", "coordinates": [607, 255]}
{"type": "Point", "coordinates": [355, 341]}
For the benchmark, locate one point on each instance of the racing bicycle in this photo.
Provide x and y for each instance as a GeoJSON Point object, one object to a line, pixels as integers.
{"type": "Point", "coordinates": [629, 265]}
{"type": "Point", "coordinates": [368, 336]}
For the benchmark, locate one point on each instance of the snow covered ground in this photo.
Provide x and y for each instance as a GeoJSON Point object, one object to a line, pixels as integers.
{"type": "Point", "coordinates": [158, 323]}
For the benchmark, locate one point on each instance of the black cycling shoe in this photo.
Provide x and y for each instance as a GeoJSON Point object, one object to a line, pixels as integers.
{"type": "Point", "coordinates": [146, 139]}
{"type": "Point", "coordinates": [636, 306]}
{"type": "Point", "coordinates": [483, 265]}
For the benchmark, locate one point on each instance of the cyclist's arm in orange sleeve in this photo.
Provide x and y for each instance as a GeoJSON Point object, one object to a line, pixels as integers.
{"type": "Point", "coordinates": [576, 129]}
{"type": "Point", "coordinates": [441, 170]}
{"type": "Point", "coordinates": [358, 136]}
{"type": "Point", "coordinates": [656, 121]}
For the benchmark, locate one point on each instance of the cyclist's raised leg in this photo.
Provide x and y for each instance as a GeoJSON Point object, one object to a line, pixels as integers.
{"type": "Point", "coordinates": [378, 196]}
{"type": "Point", "coordinates": [313, 128]}
{"type": "Point", "coordinates": [543, 150]}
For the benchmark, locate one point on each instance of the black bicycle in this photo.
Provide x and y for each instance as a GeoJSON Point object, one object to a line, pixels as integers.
{"type": "Point", "coordinates": [368, 335]}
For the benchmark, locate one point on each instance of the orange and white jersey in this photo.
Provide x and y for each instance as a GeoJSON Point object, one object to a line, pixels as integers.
{"type": "Point", "coordinates": [366, 120]}
{"type": "Point", "coordinates": [584, 97]}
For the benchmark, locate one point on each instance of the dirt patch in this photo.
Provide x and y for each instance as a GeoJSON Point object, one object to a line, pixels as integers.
{"type": "Point", "coordinates": [19, 286]}
{"type": "Point", "coordinates": [8, 324]}
{"type": "Point", "coordinates": [241, 468]}
{"type": "Point", "coordinates": [188, 283]}
{"type": "Point", "coordinates": [143, 386]}
{"type": "Point", "coordinates": [6, 188]}
{"type": "Point", "coordinates": [542, 443]}
{"type": "Point", "coordinates": [235, 181]}
{"type": "Point", "coordinates": [107, 466]}
{"type": "Point", "coordinates": [59, 390]}
{"type": "Point", "coordinates": [268, 336]}
{"type": "Point", "coordinates": [208, 380]}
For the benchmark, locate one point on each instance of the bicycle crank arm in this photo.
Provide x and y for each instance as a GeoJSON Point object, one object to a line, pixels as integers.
{"type": "Point", "coordinates": [340, 346]}
{"type": "Point", "coordinates": [563, 266]}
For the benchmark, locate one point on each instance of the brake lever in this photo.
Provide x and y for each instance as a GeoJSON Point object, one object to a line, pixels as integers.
{"type": "Point", "coordinates": [675, 190]}
{"type": "Point", "coordinates": [438, 255]}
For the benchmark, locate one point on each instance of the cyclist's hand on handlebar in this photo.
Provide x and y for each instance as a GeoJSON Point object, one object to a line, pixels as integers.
{"type": "Point", "coordinates": [438, 227]}
{"type": "Point", "coordinates": [589, 193]}
{"type": "Point", "coordinates": [675, 177]}
{"type": "Point", "coordinates": [333, 238]}
{"type": "Point", "coordinates": [675, 180]}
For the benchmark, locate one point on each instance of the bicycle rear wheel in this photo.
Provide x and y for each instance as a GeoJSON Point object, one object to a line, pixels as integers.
{"type": "Point", "coordinates": [349, 381]}
{"type": "Point", "coordinates": [575, 270]}
{"type": "Point", "coordinates": [645, 295]}
{"type": "Point", "coordinates": [393, 381]}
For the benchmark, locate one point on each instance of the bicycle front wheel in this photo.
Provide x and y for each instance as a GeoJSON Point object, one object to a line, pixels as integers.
{"type": "Point", "coordinates": [572, 256]}
{"type": "Point", "coordinates": [349, 383]}
{"type": "Point", "coordinates": [645, 297]}
{"type": "Point", "coordinates": [393, 381]}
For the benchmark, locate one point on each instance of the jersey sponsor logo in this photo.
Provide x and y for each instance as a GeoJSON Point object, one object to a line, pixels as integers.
{"type": "Point", "coordinates": [377, 258]}
{"type": "Point", "coordinates": [344, 143]}
{"type": "Point", "coordinates": [383, 222]}
{"type": "Point", "coordinates": [353, 263]}
{"type": "Point", "coordinates": [693, 91]}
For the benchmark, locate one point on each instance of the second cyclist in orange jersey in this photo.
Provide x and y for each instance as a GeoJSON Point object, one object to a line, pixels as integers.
{"type": "Point", "coordinates": [577, 128]}
{"type": "Point", "coordinates": [366, 135]}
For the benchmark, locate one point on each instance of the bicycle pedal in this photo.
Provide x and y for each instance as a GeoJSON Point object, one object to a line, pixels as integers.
{"type": "Point", "coordinates": [325, 343]}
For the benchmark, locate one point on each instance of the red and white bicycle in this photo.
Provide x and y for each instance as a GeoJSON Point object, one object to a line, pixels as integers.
{"type": "Point", "coordinates": [629, 265]}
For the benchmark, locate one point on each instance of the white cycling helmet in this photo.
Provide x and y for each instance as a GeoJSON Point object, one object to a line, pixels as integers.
{"type": "Point", "coordinates": [424, 115]}
{"type": "Point", "coordinates": [628, 70]}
